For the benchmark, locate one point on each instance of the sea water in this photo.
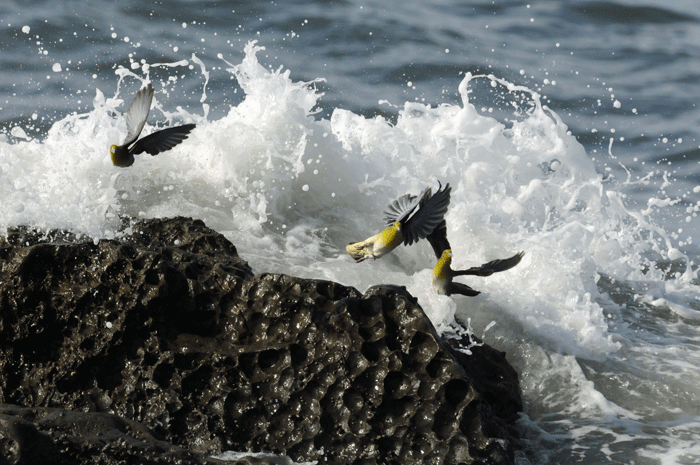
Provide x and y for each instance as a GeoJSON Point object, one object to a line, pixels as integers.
{"type": "Point", "coordinates": [311, 118]}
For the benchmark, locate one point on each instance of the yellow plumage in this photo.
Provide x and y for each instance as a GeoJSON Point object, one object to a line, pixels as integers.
{"type": "Point", "coordinates": [377, 245]}
{"type": "Point", "coordinates": [441, 272]}
{"type": "Point", "coordinates": [410, 218]}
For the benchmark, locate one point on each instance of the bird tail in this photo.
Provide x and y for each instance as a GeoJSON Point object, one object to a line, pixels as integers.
{"type": "Point", "coordinates": [494, 266]}
{"type": "Point", "coordinates": [438, 239]}
{"type": "Point", "coordinates": [463, 289]}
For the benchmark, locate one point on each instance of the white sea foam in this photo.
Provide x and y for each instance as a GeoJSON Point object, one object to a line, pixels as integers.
{"type": "Point", "coordinates": [291, 189]}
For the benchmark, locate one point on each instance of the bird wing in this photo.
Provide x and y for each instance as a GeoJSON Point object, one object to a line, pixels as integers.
{"type": "Point", "coordinates": [137, 113]}
{"type": "Point", "coordinates": [438, 239]}
{"type": "Point", "coordinates": [163, 140]}
{"type": "Point", "coordinates": [487, 269]}
{"type": "Point", "coordinates": [401, 207]}
{"type": "Point", "coordinates": [431, 211]}
{"type": "Point", "coordinates": [459, 288]}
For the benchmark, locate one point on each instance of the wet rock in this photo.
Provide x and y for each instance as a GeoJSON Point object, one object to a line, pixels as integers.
{"type": "Point", "coordinates": [170, 330]}
{"type": "Point", "coordinates": [50, 436]}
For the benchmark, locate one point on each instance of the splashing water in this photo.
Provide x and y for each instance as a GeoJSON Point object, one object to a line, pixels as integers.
{"type": "Point", "coordinates": [600, 318]}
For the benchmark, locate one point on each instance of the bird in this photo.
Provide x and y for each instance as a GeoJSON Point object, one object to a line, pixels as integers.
{"type": "Point", "coordinates": [410, 218]}
{"type": "Point", "coordinates": [153, 144]}
{"type": "Point", "coordinates": [443, 274]}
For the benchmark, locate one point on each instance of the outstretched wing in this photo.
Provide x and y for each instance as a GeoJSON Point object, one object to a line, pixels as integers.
{"type": "Point", "coordinates": [431, 211]}
{"type": "Point", "coordinates": [494, 266]}
{"type": "Point", "coordinates": [401, 207]}
{"type": "Point", "coordinates": [137, 113]}
{"type": "Point", "coordinates": [438, 239]}
{"type": "Point", "coordinates": [163, 140]}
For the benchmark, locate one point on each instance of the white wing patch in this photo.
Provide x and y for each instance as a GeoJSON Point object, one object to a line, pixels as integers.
{"type": "Point", "coordinates": [137, 113]}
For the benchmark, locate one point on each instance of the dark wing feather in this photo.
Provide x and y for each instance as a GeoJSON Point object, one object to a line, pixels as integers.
{"type": "Point", "coordinates": [404, 205]}
{"type": "Point", "coordinates": [459, 288]}
{"type": "Point", "coordinates": [430, 213]}
{"type": "Point", "coordinates": [494, 266]}
{"type": "Point", "coordinates": [438, 239]}
{"type": "Point", "coordinates": [163, 140]}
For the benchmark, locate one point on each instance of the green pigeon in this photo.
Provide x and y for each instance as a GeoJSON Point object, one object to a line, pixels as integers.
{"type": "Point", "coordinates": [443, 274]}
{"type": "Point", "coordinates": [410, 218]}
{"type": "Point", "coordinates": [153, 144]}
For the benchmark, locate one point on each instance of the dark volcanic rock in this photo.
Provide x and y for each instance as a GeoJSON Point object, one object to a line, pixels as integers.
{"type": "Point", "coordinates": [184, 353]}
{"type": "Point", "coordinates": [56, 436]}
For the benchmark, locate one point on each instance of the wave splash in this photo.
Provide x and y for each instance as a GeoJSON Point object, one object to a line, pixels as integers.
{"type": "Point", "coordinates": [290, 189]}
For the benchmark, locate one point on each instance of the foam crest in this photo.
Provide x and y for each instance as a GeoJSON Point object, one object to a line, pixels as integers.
{"type": "Point", "coordinates": [291, 189]}
{"type": "Point", "coordinates": [529, 187]}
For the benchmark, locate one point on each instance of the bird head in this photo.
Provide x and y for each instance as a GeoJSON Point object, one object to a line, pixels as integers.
{"type": "Point", "coordinates": [397, 225]}
{"type": "Point", "coordinates": [113, 152]}
{"type": "Point", "coordinates": [446, 256]}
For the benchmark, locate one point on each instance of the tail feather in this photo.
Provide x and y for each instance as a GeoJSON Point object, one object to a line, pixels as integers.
{"type": "Point", "coordinates": [459, 288]}
{"type": "Point", "coordinates": [494, 266]}
{"type": "Point", "coordinates": [438, 239]}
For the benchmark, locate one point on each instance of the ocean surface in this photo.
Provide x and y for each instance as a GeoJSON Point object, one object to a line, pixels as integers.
{"type": "Point", "coordinates": [567, 129]}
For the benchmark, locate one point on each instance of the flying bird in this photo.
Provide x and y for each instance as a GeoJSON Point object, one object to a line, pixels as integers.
{"type": "Point", "coordinates": [153, 144]}
{"type": "Point", "coordinates": [410, 218]}
{"type": "Point", "coordinates": [443, 274]}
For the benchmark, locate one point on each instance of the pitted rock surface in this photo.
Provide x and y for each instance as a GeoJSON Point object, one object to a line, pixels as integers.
{"type": "Point", "coordinates": [57, 436]}
{"type": "Point", "coordinates": [169, 328]}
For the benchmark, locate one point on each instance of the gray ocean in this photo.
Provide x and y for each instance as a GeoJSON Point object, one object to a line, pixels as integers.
{"type": "Point", "coordinates": [568, 129]}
